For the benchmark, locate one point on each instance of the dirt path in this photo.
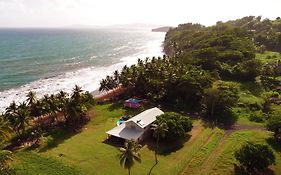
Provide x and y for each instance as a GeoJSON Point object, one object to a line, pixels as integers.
{"type": "Point", "coordinates": [210, 161]}
{"type": "Point", "coordinates": [237, 127]}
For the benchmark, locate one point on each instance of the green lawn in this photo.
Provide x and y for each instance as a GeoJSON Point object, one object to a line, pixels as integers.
{"type": "Point", "coordinates": [85, 152]}
{"type": "Point", "coordinates": [30, 163]}
{"type": "Point", "coordinates": [224, 163]}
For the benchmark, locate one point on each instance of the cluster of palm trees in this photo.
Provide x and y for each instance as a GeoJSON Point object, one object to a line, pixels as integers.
{"type": "Point", "coordinates": [62, 107]}
{"type": "Point", "coordinates": [163, 80]}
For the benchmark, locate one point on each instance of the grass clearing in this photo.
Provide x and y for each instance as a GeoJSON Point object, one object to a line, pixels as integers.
{"type": "Point", "coordinates": [225, 161]}
{"type": "Point", "coordinates": [87, 152]}
{"type": "Point", "coordinates": [30, 163]}
{"type": "Point", "coordinates": [194, 165]}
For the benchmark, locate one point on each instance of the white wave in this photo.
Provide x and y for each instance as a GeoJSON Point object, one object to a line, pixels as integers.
{"type": "Point", "coordinates": [87, 78]}
{"type": "Point", "coordinates": [120, 48]}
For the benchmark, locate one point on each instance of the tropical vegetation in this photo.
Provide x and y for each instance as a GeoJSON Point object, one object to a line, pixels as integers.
{"type": "Point", "coordinates": [228, 73]}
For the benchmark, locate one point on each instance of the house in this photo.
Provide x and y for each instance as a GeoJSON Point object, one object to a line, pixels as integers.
{"type": "Point", "coordinates": [136, 128]}
{"type": "Point", "coordinates": [132, 103]}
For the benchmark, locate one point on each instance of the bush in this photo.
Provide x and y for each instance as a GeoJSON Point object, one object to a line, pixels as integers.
{"type": "Point", "coordinates": [255, 157]}
{"type": "Point", "coordinates": [48, 141]}
{"type": "Point", "coordinates": [274, 125]}
{"type": "Point", "coordinates": [5, 158]}
{"type": "Point", "coordinates": [256, 116]}
{"type": "Point", "coordinates": [177, 124]}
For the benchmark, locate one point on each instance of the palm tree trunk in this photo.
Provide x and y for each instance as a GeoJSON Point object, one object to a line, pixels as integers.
{"type": "Point", "coordinates": [156, 150]}
{"type": "Point", "coordinates": [212, 112]}
{"type": "Point", "coordinates": [129, 170]}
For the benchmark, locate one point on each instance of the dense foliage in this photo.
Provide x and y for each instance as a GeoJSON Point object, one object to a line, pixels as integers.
{"type": "Point", "coordinates": [177, 124]}
{"type": "Point", "coordinates": [270, 73]}
{"type": "Point", "coordinates": [162, 80]}
{"type": "Point", "coordinates": [219, 100]}
{"type": "Point", "coordinates": [255, 157]}
{"type": "Point", "coordinates": [266, 32]}
{"type": "Point", "coordinates": [30, 119]}
{"type": "Point", "coordinates": [229, 51]}
{"type": "Point", "coordinates": [200, 65]}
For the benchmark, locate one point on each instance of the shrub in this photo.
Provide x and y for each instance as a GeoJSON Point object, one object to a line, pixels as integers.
{"type": "Point", "coordinates": [48, 141]}
{"type": "Point", "coordinates": [256, 116]}
{"type": "Point", "coordinates": [177, 124]}
{"type": "Point", "coordinates": [274, 125]}
{"type": "Point", "coordinates": [5, 158]}
{"type": "Point", "coordinates": [255, 157]}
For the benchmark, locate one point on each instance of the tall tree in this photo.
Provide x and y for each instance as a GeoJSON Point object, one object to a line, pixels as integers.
{"type": "Point", "coordinates": [22, 118]}
{"type": "Point", "coordinates": [62, 103]}
{"type": "Point", "coordinates": [129, 154]}
{"type": "Point", "coordinates": [31, 98]}
{"type": "Point", "coordinates": [159, 131]}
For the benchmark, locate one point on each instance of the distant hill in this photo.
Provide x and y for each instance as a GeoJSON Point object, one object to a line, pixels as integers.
{"type": "Point", "coordinates": [162, 29]}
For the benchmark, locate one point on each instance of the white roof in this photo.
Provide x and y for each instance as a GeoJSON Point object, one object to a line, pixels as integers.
{"type": "Point", "coordinates": [124, 132]}
{"type": "Point", "coordinates": [142, 120]}
{"type": "Point", "coordinates": [146, 117]}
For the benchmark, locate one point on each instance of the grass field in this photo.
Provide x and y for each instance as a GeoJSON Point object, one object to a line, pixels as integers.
{"type": "Point", "coordinates": [205, 151]}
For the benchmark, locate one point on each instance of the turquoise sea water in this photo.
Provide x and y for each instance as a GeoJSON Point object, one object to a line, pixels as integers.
{"type": "Point", "coordinates": [49, 60]}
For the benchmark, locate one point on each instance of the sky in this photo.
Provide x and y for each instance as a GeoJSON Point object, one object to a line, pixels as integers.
{"type": "Point", "coordinates": [63, 13]}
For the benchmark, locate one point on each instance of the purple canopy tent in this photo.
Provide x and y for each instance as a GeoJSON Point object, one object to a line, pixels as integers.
{"type": "Point", "coordinates": [132, 103]}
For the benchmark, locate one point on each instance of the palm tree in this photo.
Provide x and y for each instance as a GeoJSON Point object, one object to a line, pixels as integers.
{"type": "Point", "coordinates": [10, 112]}
{"type": "Point", "coordinates": [129, 154]}
{"type": "Point", "coordinates": [62, 103]}
{"type": "Point", "coordinates": [22, 118]}
{"type": "Point", "coordinates": [76, 93]}
{"type": "Point", "coordinates": [5, 129]}
{"type": "Point", "coordinates": [45, 107]}
{"type": "Point", "coordinates": [31, 98]}
{"type": "Point", "coordinates": [12, 108]}
{"type": "Point", "coordinates": [53, 104]}
{"type": "Point", "coordinates": [159, 130]}
{"type": "Point", "coordinates": [76, 107]}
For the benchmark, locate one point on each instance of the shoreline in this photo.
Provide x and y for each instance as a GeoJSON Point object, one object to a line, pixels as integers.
{"type": "Point", "coordinates": [87, 78]}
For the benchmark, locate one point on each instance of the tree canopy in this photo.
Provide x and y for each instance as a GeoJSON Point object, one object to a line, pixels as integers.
{"type": "Point", "coordinates": [177, 124]}
{"type": "Point", "coordinates": [255, 157]}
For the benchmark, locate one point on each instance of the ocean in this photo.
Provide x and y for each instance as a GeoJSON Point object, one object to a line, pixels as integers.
{"type": "Point", "coordinates": [49, 60]}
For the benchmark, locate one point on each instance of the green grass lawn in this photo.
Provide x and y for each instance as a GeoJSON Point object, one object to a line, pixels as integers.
{"type": "Point", "coordinates": [85, 152]}
{"type": "Point", "coordinates": [224, 163]}
{"type": "Point", "coordinates": [30, 163]}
